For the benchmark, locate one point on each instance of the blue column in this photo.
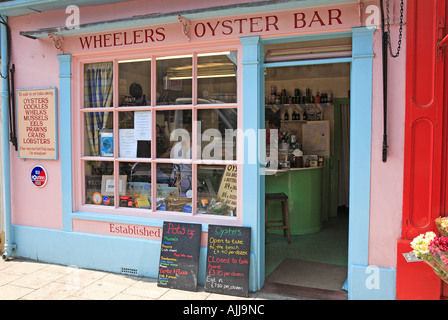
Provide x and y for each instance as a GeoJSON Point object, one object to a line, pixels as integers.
{"type": "Point", "coordinates": [65, 108]}
{"type": "Point", "coordinates": [253, 182]}
{"type": "Point", "coordinates": [364, 281]}
{"type": "Point", "coordinates": [9, 246]}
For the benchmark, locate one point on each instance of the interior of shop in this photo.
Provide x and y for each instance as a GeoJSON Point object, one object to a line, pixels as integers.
{"type": "Point", "coordinates": [309, 105]}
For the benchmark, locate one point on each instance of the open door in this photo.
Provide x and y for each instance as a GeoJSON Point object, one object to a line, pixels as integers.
{"type": "Point", "coordinates": [424, 142]}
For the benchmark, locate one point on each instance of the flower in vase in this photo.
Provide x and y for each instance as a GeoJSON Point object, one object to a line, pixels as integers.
{"type": "Point", "coordinates": [420, 244]}
{"type": "Point", "coordinates": [442, 225]}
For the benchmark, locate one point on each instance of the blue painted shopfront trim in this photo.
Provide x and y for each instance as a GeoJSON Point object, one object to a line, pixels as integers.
{"type": "Point", "coordinates": [253, 182]}
{"type": "Point", "coordinates": [65, 103]}
{"type": "Point", "coordinates": [9, 236]}
{"type": "Point", "coordinates": [360, 172]}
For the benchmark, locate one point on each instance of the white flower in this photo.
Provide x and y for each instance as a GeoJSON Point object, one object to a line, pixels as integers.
{"type": "Point", "coordinates": [420, 243]}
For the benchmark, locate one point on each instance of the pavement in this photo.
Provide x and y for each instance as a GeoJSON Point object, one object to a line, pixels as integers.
{"type": "Point", "coordinates": [22, 279]}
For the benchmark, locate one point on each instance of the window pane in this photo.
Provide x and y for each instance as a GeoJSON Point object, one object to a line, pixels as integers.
{"type": "Point", "coordinates": [135, 134]}
{"type": "Point", "coordinates": [98, 134]}
{"type": "Point", "coordinates": [174, 81]}
{"type": "Point", "coordinates": [174, 185]}
{"type": "Point", "coordinates": [98, 85]}
{"type": "Point", "coordinates": [173, 130]}
{"type": "Point", "coordinates": [134, 81]}
{"type": "Point", "coordinates": [218, 133]}
{"type": "Point", "coordinates": [98, 175]}
{"type": "Point", "coordinates": [138, 187]}
{"type": "Point", "coordinates": [217, 77]}
{"type": "Point", "coordinates": [217, 190]}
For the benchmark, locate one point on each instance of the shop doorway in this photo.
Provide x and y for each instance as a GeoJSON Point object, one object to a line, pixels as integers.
{"type": "Point", "coordinates": [310, 105]}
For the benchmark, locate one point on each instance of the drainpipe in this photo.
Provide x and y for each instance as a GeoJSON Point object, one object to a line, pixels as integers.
{"type": "Point", "coordinates": [9, 246]}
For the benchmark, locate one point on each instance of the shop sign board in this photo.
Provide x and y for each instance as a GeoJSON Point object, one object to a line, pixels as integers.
{"type": "Point", "coordinates": [37, 123]}
{"type": "Point", "coordinates": [227, 191]}
{"type": "Point", "coordinates": [179, 256]}
{"type": "Point", "coordinates": [228, 260]}
{"type": "Point", "coordinates": [221, 28]}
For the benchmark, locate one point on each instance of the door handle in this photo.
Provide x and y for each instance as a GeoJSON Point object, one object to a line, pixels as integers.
{"type": "Point", "coordinates": [442, 43]}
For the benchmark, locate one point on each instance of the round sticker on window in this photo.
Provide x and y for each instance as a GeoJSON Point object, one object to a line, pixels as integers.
{"type": "Point", "coordinates": [39, 176]}
{"type": "Point", "coordinates": [97, 198]}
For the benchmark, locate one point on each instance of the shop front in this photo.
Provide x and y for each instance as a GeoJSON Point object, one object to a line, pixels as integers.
{"type": "Point", "coordinates": [136, 120]}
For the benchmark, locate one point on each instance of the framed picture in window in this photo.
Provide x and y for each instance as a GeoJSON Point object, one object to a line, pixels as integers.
{"type": "Point", "coordinates": [108, 185]}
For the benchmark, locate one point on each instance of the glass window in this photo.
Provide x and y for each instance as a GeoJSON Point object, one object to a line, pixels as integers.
{"type": "Point", "coordinates": [218, 138]}
{"type": "Point", "coordinates": [217, 190]}
{"type": "Point", "coordinates": [134, 134]}
{"type": "Point", "coordinates": [174, 187]}
{"type": "Point", "coordinates": [98, 85]}
{"type": "Point", "coordinates": [99, 184]}
{"type": "Point", "coordinates": [119, 156]}
{"type": "Point", "coordinates": [174, 134]}
{"type": "Point", "coordinates": [174, 80]}
{"type": "Point", "coordinates": [134, 83]}
{"type": "Point", "coordinates": [98, 134]}
{"type": "Point", "coordinates": [217, 75]}
{"type": "Point", "coordinates": [137, 193]}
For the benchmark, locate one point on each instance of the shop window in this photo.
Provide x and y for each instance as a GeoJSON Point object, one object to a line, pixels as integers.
{"type": "Point", "coordinates": [135, 82]}
{"type": "Point", "coordinates": [137, 193]}
{"type": "Point", "coordinates": [217, 75]}
{"type": "Point", "coordinates": [217, 186]}
{"type": "Point", "coordinates": [174, 134]}
{"type": "Point", "coordinates": [174, 187]}
{"type": "Point", "coordinates": [98, 85]}
{"type": "Point", "coordinates": [218, 133]}
{"type": "Point", "coordinates": [97, 172]}
{"type": "Point", "coordinates": [174, 80]}
{"type": "Point", "coordinates": [129, 104]}
{"type": "Point", "coordinates": [134, 134]}
{"type": "Point", "coordinates": [98, 134]}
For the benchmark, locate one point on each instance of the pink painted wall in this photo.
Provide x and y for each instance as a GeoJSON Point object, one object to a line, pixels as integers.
{"type": "Point", "coordinates": [387, 178]}
{"type": "Point", "coordinates": [37, 66]}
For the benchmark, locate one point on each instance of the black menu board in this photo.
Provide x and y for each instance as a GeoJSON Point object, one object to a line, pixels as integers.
{"type": "Point", "coordinates": [179, 256]}
{"type": "Point", "coordinates": [228, 260]}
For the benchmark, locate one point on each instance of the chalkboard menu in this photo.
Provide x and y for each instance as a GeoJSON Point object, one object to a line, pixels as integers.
{"type": "Point", "coordinates": [228, 260]}
{"type": "Point", "coordinates": [179, 256]}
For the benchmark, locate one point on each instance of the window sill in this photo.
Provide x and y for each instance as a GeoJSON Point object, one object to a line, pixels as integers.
{"type": "Point", "coordinates": [148, 218]}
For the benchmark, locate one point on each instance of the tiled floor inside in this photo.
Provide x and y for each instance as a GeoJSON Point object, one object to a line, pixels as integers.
{"type": "Point", "coordinates": [329, 246]}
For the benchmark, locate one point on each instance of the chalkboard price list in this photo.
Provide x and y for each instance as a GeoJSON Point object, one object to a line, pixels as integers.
{"type": "Point", "coordinates": [228, 260]}
{"type": "Point", "coordinates": [179, 256]}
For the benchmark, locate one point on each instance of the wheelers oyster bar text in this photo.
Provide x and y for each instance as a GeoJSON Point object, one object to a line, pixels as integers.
{"type": "Point", "coordinates": [226, 27]}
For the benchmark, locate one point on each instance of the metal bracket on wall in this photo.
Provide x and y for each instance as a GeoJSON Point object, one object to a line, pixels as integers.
{"type": "Point", "coordinates": [186, 24]}
{"type": "Point", "coordinates": [58, 41]}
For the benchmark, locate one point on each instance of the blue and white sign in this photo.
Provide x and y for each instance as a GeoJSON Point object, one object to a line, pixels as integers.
{"type": "Point", "coordinates": [39, 176]}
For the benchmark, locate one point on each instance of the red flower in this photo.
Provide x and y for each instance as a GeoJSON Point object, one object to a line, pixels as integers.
{"type": "Point", "coordinates": [438, 245]}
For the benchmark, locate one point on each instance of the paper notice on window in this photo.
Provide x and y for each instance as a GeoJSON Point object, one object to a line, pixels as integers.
{"type": "Point", "coordinates": [142, 125]}
{"type": "Point", "coordinates": [127, 143]}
